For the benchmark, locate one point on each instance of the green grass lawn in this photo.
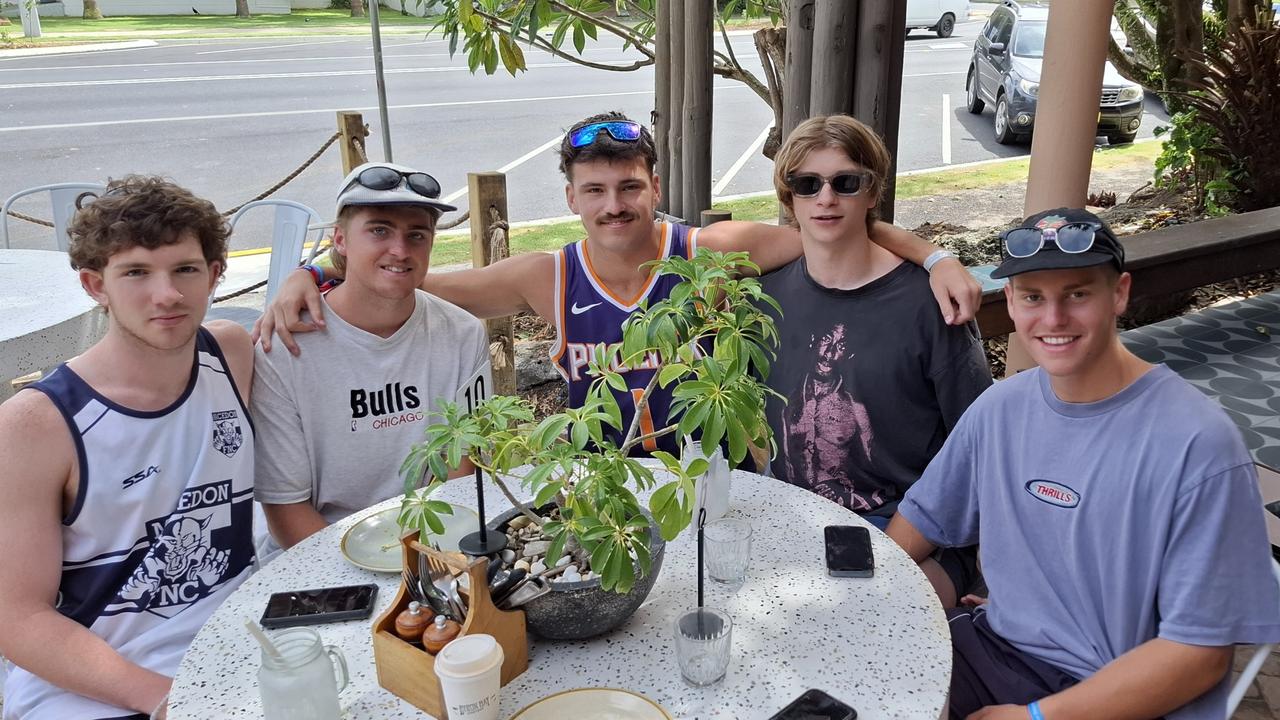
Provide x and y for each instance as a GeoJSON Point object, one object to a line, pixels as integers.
{"type": "Point", "coordinates": [208, 26]}
{"type": "Point", "coordinates": [451, 249]}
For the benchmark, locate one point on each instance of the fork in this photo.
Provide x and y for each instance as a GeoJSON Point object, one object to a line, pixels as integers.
{"type": "Point", "coordinates": [441, 576]}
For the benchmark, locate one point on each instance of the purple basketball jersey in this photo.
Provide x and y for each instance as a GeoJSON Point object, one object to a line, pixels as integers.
{"type": "Point", "coordinates": [588, 314]}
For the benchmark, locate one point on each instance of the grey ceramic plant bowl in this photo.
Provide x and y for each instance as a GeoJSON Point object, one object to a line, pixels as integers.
{"type": "Point", "coordinates": [576, 611]}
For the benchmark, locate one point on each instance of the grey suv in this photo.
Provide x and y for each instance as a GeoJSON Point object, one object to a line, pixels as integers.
{"type": "Point", "coordinates": [1005, 71]}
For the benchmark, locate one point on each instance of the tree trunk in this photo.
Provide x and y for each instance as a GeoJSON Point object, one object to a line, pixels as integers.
{"type": "Point", "coordinates": [91, 10]}
{"type": "Point", "coordinates": [357, 8]}
{"type": "Point", "coordinates": [242, 8]}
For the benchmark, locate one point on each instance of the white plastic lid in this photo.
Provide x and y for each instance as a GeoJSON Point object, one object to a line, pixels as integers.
{"type": "Point", "coordinates": [468, 656]}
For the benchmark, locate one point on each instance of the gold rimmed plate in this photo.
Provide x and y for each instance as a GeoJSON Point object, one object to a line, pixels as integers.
{"type": "Point", "coordinates": [373, 543]}
{"type": "Point", "coordinates": [594, 704]}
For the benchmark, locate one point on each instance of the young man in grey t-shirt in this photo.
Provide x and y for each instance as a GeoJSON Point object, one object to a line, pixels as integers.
{"type": "Point", "coordinates": [335, 422]}
{"type": "Point", "coordinates": [1118, 510]}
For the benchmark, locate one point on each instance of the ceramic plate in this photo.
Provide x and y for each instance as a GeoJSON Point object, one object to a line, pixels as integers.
{"type": "Point", "coordinates": [594, 704]}
{"type": "Point", "coordinates": [374, 542]}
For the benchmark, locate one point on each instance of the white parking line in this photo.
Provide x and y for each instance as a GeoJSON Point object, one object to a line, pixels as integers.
{"type": "Point", "coordinates": [932, 74]}
{"type": "Point", "coordinates": [277, 47]}
{"type": "Point", "coordinates": [256, 76]}
{"type": "Point", "coordinates": [742, 160]}
{"type": "Point", "coordinates": [220, 62]}
{"type": "Point", "coordinates": [946, 129]}
{"type": "Point", "coordinates": [512, 165]}
{"type": "Point", "coordinates": [283, 113]}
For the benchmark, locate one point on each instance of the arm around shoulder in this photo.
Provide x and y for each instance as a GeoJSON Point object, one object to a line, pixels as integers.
{"type": "Point", "coordinates": [518, 283]}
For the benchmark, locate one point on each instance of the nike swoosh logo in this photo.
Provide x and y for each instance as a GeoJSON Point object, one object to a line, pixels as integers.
{"type": "Point", "coordinates": [579, 310]}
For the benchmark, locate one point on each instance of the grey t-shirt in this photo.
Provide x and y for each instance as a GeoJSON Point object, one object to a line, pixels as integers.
{"type": "Point", "coordinates": [335, 423]}
{"type": "Point", "coordinates": [1104, 525]}
{"type": "Point", "coordinates": [874, 380]}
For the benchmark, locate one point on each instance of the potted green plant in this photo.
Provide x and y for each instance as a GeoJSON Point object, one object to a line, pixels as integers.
{"type": "Point", "coordinates": [714, 344]}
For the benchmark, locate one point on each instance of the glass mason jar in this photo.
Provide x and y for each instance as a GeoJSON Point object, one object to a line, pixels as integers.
{"type": "Point", "coordinates": [301, 684]}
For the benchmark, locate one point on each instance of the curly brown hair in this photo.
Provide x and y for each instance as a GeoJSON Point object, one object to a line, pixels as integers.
{"type": "Point", "coordinates": [855, 138]}
{"type": "Point", "coordinates": [144, 211]}
{"type": "Point", "coordinates": [604, 147]}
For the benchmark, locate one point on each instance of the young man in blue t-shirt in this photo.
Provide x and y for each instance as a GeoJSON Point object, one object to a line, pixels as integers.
{"type": "Point", "coordinates": [1118, 510]}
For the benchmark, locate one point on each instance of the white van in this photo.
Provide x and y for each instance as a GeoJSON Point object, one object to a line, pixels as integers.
{"type": "Point", "coordinates": [940, 16]}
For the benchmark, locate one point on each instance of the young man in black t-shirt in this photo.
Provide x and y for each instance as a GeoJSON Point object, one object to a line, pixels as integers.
{"type": "Point", "coordinates": [874, 377]}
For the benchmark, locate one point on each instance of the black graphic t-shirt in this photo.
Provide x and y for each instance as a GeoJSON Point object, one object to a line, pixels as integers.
{"type": "Point", "coordinates": [874, 380]}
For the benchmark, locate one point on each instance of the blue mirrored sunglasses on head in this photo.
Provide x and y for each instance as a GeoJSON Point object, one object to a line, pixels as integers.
{"type": "Point", "coordinates": [620, 130]}
{"type": "Point", "coordinates": [385, 178]}
{"type": "Point", "coordinates": [1071, 238]}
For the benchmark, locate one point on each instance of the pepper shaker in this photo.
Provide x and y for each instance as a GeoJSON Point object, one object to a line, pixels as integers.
{"type": "Point", "coordinates": [411, 623]}
{"type": "Point", "coordinates": [436, 636]}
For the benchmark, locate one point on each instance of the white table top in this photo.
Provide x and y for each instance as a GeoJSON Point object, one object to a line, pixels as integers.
{"type": "Point", "coordinates": [880, 644]}
{"type": "Point", "coordinates": [45, 316]}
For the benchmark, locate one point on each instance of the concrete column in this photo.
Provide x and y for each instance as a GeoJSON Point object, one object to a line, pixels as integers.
{"type": "Point", "coordinates": [1075, 53]}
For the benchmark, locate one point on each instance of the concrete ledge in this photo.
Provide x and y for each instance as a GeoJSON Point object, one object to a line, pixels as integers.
{"type": "Point", "coordinates": [67, 49]}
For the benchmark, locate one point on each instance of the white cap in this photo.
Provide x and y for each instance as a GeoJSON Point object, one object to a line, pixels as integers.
{"type": "Point", "coordinates": [468, 656]}
{"type": "Point", "coordinates": [351, 192]}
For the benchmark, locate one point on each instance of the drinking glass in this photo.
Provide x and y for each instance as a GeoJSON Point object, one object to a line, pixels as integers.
{"type": "Point", "coordinates": [727, 544]}
{"type": "Point", "coordinates": [703, 641]}
{"type": "Point", "coordinates": [301, 683]}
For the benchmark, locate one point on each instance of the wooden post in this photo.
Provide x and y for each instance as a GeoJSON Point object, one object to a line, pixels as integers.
{"type": "Point", "coordinates": [834, 37]}
{"type": "Point", "coordinates": [877, 93]}
{"type": "Point", "coordinates": [710, 217]}
{"type": "Point", "coordinates": [351, 125]}
{"type": "Point", "coordinates": [673, 183]}
{"type": "Point", "coordinates": [700, 24]}
{"type": "Point", "coordinates": [799, 69]}
{"type": "Point", "coordinates": [487, 194]}
{"type": "Point", "coordinates": [662, 99]}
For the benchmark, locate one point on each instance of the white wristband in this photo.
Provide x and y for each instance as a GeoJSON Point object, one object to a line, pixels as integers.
{"type": "Point", "coordinates": [936, 257]}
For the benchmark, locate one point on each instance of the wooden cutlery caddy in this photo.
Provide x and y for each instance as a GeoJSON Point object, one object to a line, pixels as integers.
{"type": "Point", "coordinates": [408, 670]}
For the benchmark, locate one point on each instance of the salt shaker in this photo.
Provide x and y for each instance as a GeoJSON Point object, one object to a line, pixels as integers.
{"type": "Point", "coordinates": [410, 623]}
{"type": "Point", "coordinates": [439, 634]}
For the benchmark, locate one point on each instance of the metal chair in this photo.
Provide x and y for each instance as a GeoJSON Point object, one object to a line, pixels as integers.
{"type": "Point", "coordinates": [63, 197]}
{"type": "Point", "coordinates": [293, 221]}
{"type": "Point", "coordinates": [1250, 671]}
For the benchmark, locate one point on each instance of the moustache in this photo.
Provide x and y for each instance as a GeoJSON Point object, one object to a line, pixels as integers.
{"type": "Point", "coordinates": [615, 218]}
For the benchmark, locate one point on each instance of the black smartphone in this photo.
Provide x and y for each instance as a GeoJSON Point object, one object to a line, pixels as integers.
{"type": "Point", "coordinates": [816, 705]}
{"type": "Point", "coordinates": [849, 551]}
{"type": "Point", "coordinates": [322, 605]}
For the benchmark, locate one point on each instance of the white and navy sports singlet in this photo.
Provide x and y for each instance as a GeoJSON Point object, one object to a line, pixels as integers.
{"type": "Point", "coordinates": [588, 314]}
{"type": "Point", "coordinates": [161, 531]}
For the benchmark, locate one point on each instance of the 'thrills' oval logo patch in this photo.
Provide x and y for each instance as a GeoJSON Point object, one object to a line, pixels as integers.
{"type": "Point", "coordinates": [1053, 493]}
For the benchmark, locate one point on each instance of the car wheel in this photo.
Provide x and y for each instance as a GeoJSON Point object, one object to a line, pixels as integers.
{"type": "Point", "coordinates": [1004, 133]}
{"type": "Point", "coordinates": [946, 25]}
{"type": "Point", "coordinates": [1120, 138]}
{"type": "Point", "coordinates": [972, 101]}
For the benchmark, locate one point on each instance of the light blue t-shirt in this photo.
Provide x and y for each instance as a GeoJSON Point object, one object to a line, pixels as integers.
{"type": "Point", "coordinates": [1104, 525]}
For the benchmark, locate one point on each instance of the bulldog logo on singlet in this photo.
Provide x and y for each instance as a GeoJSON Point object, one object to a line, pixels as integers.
{"type": "Point", "coordinates": [227, 436]}
{"type": "Point", "coordinates": [183, 563]}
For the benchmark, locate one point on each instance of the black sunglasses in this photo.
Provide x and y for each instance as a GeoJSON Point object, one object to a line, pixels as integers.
{"type": "Point", "coordinates": [808, 185]}
{"type": "Point", "coordinates": [385, 178]}
{"type": "Point", "coordinates": [1072, 238]}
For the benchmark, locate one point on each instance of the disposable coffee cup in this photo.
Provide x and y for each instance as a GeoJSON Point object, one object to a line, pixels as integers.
{"type": "Point", "coordinates": [470, 672]}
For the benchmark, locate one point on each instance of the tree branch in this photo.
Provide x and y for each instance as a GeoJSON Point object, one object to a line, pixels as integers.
{"type": "Point", "coordinates": [728, 46]}
{"type": "Point", "coordinates": [620, 30]}
{"type": "Point", "coordinates": [743, 76]}
{"type": "Point", "coordinates": [655, 434]}
{"type": "Point", "coordinates": [640, 406]}
{"type": "Point", "coordinates": [541, 43]}
{"type": "Point", "coordinates": [506, 491]}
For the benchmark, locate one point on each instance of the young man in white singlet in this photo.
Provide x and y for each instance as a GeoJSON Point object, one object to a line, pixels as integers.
{"type": "Point", "coordinates": [126, 474]}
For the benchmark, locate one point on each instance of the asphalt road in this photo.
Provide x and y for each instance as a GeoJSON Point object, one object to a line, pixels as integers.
{"type": "Point", "coordinates": [229, 118]}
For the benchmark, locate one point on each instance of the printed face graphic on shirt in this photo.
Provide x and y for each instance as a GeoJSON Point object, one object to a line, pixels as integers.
{"type": "Point", "coordinates": [831, 351]}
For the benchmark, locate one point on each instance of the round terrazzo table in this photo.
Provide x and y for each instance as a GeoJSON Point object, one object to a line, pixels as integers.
{"type": "Point", "coordinates": [880, 644]}
{"type": "Point", "coordinates": [45, 316]}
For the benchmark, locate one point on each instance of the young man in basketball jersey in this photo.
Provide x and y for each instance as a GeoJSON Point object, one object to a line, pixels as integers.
{"type": "Point", "coordinates": [126, 474]}
{"type": "Point", "coordinates": [337, 420]}
{"type": "Point", "coordinates": [589, 287]}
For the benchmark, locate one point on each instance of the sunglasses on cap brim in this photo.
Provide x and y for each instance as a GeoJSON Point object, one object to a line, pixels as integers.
{"type": "Point", "coordinates": [1071, 238]}
{"type": "Point", "coordinates": [620, 130]}
{"type": "Point", "coordinates": [385, 178]}
{"type": "Point", "coordinates": [807, 185]}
